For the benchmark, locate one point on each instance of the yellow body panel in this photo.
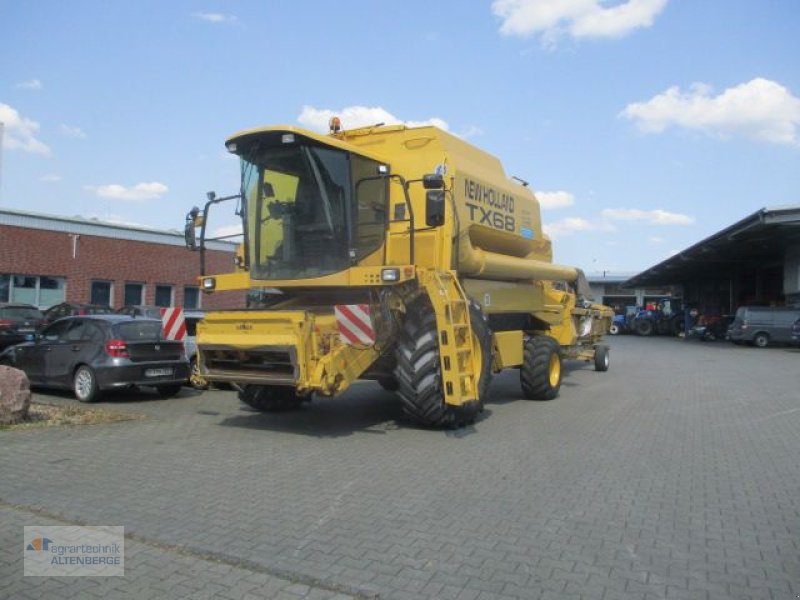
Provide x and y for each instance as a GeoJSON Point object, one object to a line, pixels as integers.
{"type": "Point", "coordinates": [508, 347]}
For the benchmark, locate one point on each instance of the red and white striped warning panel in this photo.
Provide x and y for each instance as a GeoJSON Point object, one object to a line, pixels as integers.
{"type": "Point", "coordinates": [173, 325]}
{"type": "Point", "coordinates": [355, 324]}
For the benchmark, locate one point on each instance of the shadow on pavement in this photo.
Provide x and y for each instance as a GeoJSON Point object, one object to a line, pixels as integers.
{"type": "Point", "coordinates": [365, 408]}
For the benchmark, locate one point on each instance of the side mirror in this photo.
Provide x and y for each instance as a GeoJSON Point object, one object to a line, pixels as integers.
{"type": "Point", "coordinates": [193, 219]}
{"type": "Point", "coordinates": [433, 181]}
{"type": "Point", "coordinates": [434, 208]}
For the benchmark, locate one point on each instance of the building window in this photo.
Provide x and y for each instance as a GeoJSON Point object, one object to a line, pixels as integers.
{"type": "Point", "coordinates": [24, 290]}
{"type": "Point", "coordinates": [163, 295]}
{"type": "Point", "coordinates": [101, 293]}
{"type": "Point", "coordinates": [38, 290]}
{"type": "Point", "coordinates": [5, 287]}
{"type": "Point", "coordinates": [51, 291]}
{"type": "Point", "coordinates": [133, 294]}
{"type": "Point", "coordinates": [191, 297]}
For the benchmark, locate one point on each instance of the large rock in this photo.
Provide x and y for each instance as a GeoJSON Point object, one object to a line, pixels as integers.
{"type": "Point", "coordinates": [15, 395]}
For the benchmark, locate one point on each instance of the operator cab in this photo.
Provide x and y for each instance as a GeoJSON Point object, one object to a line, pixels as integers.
{"type": "Point", "coordinates": [310, 209]}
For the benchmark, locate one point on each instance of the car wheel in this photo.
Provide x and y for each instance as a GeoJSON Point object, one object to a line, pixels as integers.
{"type": "Point", "coordinates": [614, 329]}
{"type": "Point", "coordinates": [761, 340]}
{"type": "Point", "coordinates": [84, 384]}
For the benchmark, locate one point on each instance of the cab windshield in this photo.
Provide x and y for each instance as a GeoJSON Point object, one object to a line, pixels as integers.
{"type": "Point", "coordinates": [306, 217]}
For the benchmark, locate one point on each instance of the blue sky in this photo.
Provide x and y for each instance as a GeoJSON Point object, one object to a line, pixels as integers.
{"type": "Point", "coordinates": [643, 125]}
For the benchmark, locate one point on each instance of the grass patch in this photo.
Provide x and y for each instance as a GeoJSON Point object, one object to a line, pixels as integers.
{"type": "Point", "coordinates": [53, 415]}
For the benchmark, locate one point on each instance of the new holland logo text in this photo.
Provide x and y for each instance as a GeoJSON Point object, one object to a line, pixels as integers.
{"type": "Point", "coordinates": [489, 206]}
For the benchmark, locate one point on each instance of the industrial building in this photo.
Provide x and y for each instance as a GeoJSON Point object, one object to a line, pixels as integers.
{"type": "Point", "coordinates": [755, 261]}
{"type": "Point", "coordinates": [48, 259]}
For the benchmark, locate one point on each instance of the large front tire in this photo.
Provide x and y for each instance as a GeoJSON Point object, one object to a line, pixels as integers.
{"type": "Point", "coordinates": [418, 370]}
{"type": "Point", "coordinates": [271, 398]}
{"type": "Point", "coordinates": [540, 374]}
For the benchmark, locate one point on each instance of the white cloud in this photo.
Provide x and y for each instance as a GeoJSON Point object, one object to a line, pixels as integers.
{"type": "Point", "coordinates": [656, 240]}
{"type": "Point", "coordinates": [140, 191]}
{"type": "Point", "coordinates": [759, 109]}
{"type": "Point", "coordinates": [72, 131]}
{"type": "Point", "coordinates": [215, 17]}
{"type": "Point", "coordinates": [50, 178]}
{"type": "Point", "coordinates": [571, 225]}
{"type": "Point", "coordinates": [653, 217]}
{"type": "Point", "coordinates": [552, 19]}
{"type": "Point", "coordinates": [470, 132]}
{"type": "Point", "coordinates": [358, 116]}
{"type": "Point", "coordinates": [19, 132]}
{"type": "Point", "coordinates": [558, 199]}
{"type": "Point", "coordinates": [31, 84]}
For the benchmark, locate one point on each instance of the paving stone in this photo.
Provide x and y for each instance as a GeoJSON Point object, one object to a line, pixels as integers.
{"type": "Point", "coordinates": [672, 475]}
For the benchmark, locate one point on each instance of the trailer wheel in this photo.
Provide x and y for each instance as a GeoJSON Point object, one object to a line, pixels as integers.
{"type": "Point", "coordinates": [418, 370]}
{"type": "Point", "coordinates": [271, 398]}
{"type": "Point", "coordinates": [540, 373]}
{"type": "Point", "coordinates": [601, 358]}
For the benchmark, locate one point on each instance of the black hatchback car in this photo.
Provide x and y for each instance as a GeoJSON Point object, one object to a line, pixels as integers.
{"type": "Point", "coordinates": [17, 322]}
{"type": "Point", "coordinates": [101, 352]}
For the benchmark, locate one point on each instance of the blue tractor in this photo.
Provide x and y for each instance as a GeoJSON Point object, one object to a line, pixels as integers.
{"type": "Point", "coordinates": [662, 318]}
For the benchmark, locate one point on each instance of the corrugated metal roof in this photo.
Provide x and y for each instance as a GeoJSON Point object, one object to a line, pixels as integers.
{"type": "Point", "coordinates": [95, 227]}
{"type": "Point", "coordinates": [761, 236]}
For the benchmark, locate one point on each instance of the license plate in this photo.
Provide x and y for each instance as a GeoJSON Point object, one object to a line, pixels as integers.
{"type": "Point", "coordinates": [157, 372]}
{"type": "Point", "coordinates": [25, 329]}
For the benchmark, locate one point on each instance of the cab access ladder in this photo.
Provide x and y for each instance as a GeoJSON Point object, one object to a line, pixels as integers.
{"type": "Point", "coordinates": [457, 351]}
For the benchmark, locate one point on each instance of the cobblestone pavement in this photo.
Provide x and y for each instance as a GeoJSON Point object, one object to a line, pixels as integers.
{"type": "Point", "coordinates": [674, 475]}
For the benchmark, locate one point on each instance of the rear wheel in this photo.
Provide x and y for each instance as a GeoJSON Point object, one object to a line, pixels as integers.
{"type": "Point", "coordinates": [614, 329]}
{"type": "Point", "coordinates": [418, 370]}
{"type": "Point", "coordinates": [540, 373]}
{"type": "Point", "coordinates": [169, 390]}
{"type": "Point", "coordinates": [84, 384]}
{"type": "Point", "coordinates": [271, 398]}
{"type": "Point", "coordinates": [761, 340]}
{"type": "Point", "coordinates": [644, 327]}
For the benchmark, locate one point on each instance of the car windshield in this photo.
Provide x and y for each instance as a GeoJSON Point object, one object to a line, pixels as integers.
{"type": "Point", "coordinates": [20, 312]}
{"type": "Point", "coordinates": [139, 331]}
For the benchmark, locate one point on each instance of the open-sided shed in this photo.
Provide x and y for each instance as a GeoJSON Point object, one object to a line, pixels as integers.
{"type": "Point", "coordinates": [754, 261]}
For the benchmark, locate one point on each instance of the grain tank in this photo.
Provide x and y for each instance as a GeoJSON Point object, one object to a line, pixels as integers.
{"type": "Point", "coordinates": [403, 255]}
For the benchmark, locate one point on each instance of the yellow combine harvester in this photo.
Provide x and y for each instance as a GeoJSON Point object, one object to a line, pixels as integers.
{"type": "Point", "coordinates": [401, 254]}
